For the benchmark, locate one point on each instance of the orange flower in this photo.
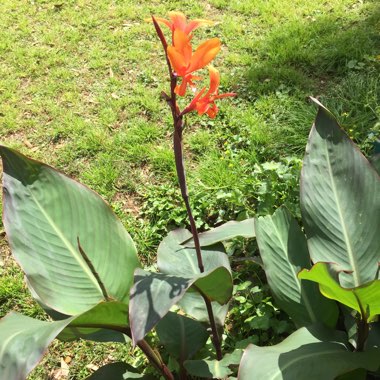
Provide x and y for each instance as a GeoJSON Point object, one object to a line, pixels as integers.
{"type": "Point", "coordinates": [184, 62]}
{"type": "Point", "coordinates": [206, 103]}
{"type": "Point", "coordinates": [178, 21]}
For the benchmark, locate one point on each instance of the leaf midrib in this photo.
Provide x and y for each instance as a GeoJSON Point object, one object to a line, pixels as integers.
{"type": "Point", "coordinates": [351, 256]}
{"type": "Point", "coordinates": [68, 245]}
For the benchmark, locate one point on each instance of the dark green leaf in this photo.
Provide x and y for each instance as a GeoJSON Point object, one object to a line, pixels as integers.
{"type": "Point", "coordinates": [284, 252]}
{"type": "Point", "coordinates": [118, 371]}
{"type": "Point", "coordinates": [73, 249]}
{"type": "Point", "coordinates": [340, 202]}
{"type": "Point", "coordinates": [357, 374]}
{"type": "Point", "coordinates": [153, 294]}
{"type": "Point", "coordinates": [181, 336]}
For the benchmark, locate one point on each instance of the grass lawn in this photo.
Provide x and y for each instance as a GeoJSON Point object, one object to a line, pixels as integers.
{"type": "Point", "coordinates": [80, 85]}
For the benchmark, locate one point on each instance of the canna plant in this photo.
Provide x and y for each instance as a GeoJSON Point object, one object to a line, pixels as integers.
{"type": "Point", "coordinates": [327, 276]}
{"type": "Point", "coordinates": [82, 266]}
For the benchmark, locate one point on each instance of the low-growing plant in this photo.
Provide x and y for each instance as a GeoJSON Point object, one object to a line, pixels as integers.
{"type": "Point", "coordinates": [82, 266]}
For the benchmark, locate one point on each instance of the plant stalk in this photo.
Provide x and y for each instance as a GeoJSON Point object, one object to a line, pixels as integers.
{"type": "Point", "coordinates": [155, 359]}
{"type": "Point", "coordinates": [153, 356]}
{"type": "Point", "coordinates": [180, 169]}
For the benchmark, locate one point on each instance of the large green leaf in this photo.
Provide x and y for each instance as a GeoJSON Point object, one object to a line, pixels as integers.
{"type": "Point", "coordinates": [118, 371]}
{"type": "Point", "coordinates": [182, 336]}
{"type": "Point", "coordinates": [227, 231]}
{"type": "Point", "coordinates": [73, 249]}
{"type": "Point", "coordinates": [364, 299]}
{"type": "Point", "coordinates": [174, 258]}
{"type": "Point", "coordinates": [89, 333]}
{"type": "Point", "coordinates": [340, 202]}
{"type": "Point", "coordinates": [107, 321]}
{"type": "Point", "coordinates": [153, 294]}
{"type": "Point", "coordinates": [23, 341]}
{"type": "Point", "coordinates": [283, 249]}
{"type": "Point", "coordinates": [306, 354]}
{"type": "Point", "coordinates": [194, 305]}
{"type": "Point", "coordinates": [214, 369]}
{"type": "Point", "coordinates": [357, 374]}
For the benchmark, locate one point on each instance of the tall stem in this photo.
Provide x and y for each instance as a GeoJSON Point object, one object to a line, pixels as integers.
{"type": "Point", "coordinates": [153, 356]}
{"type": "Point", "coordinates": [155, 359]}
{"type": "Point", "coordinates": [178, 155]}
{"type": "Point", "coordinates": [363, 327]}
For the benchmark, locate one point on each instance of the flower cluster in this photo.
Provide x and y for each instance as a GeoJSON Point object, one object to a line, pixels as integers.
{"type": "Point", "coordinates": [184, 62]}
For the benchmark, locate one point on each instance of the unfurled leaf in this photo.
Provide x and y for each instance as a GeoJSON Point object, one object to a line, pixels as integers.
{"type": "Point", "coordinates": [283, 249]}
{"type": "Point", "coordinates": [153, 294]}
{"type": "Point", "coordinates": [173, 258]}
{"type": "Point", "coordinates": [312, 353]}
{"type": "Point", "coordinates": [182, 336]}
{"type": "Point", "coordinates": [194, 305]}
{"type": "Point", "coordinates": [364, 299]}
{"type": "Point", "coordinates": [227, 231]}
{"type": "Point", "coordinates": [340, 202]}
{"type": "Point", "coordinates": [23, 341]}
{"type": "Point", "coordinates": [73, 249]}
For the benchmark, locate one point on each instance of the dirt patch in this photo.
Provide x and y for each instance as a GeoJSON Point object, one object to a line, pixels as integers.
{"type": "Point", "coordinates": [130, 203]}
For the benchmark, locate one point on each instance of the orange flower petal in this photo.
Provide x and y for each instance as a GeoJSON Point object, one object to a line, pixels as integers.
{"type": "Point", "coordinates": [204, 54]}
{"type": "Point", "coordinates": [194, 24]}
{"type": "Point", "coordinates": [177, 60]}
{"type": "Point", "coordinates": [181, 90]}
{"type": "Point", "coordinates": [178, 20]}
{"type": "Point", "coordinates": [214, 80]}
{"type": "Point", "coordinates": [181, 42]}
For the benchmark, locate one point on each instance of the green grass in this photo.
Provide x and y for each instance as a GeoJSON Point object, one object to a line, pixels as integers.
{"type": "Point", "coordinates": [80, 87]}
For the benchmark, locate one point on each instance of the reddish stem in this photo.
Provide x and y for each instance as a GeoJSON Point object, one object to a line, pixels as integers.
{"type": "Point", "coordinates": [178, 155]}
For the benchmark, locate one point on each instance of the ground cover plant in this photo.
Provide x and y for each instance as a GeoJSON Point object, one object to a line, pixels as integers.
{"type": "Point", "coordinates": [238, 139]}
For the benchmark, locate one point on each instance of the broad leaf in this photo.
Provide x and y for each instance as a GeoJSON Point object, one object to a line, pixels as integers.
{"type": "Point", "coordinates": [305, 354]}
{"type": "Point", "coordinates": [153, 294]}
{"type": "Point", "coordinates": [357, 374]}
{"type": "Point", "coordinates": [23, 341]}
{"type": "Point", "coordinates": [182, 336]}
{"type": "Point", "coordinates": [214, 369]}
{"type": "Point", "coordinates": [283, 249]}
{"type": "Point", "coordinates": [89, 333]}
{"type": "Point", "coordinates": [107, 321]}
{"type": "Point", "coordinates": [227, 231]}
{"type": "Point", "coordinates": [364, 299]}
{"type": "Point", "coordinates": [73, 249]}
{"type": "Point", "coordinates": [194, 305]}
{"type": "Point", "coordinates": [173, 258]}
{"type": "Point", "coordinates": [340, 202]}
{"type": "Point", "coordinates": [118, 371]}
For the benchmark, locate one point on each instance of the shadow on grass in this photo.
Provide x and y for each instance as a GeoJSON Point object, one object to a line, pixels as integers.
{"type": "Point", "coordinates": [333, 58]}
{"type": "Point", "coordinates": [305, 54]}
